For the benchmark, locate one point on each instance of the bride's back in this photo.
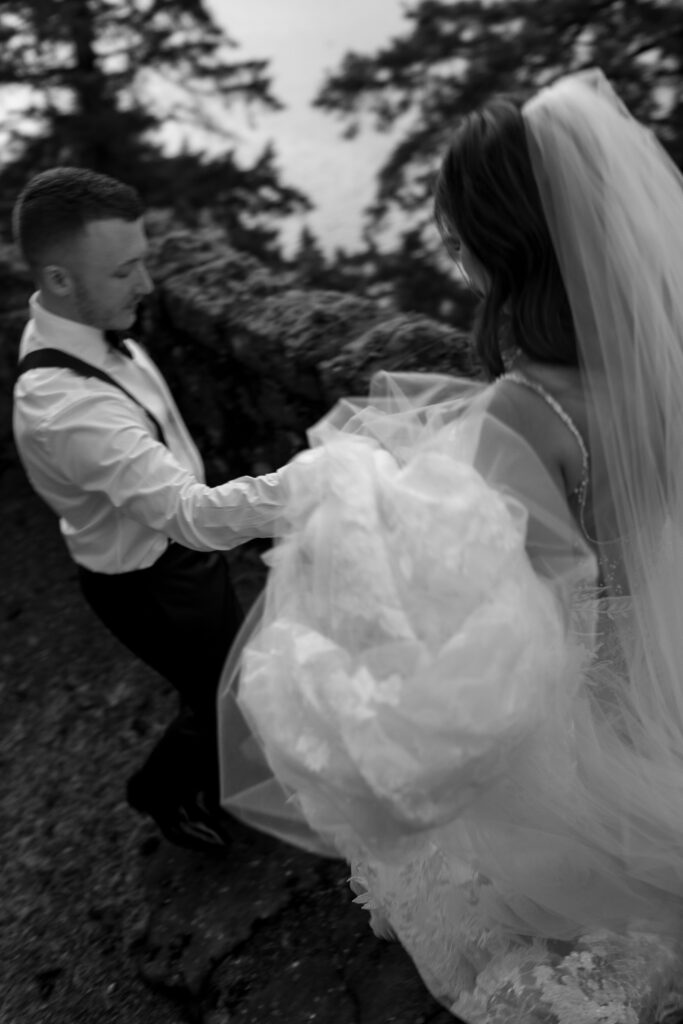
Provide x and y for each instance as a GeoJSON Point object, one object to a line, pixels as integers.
{"type": "Point", "coordinates": [533, 413]}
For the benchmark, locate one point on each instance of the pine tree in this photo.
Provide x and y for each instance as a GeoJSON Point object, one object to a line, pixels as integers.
{"type": "Point", "coordinates": [104, 77]}
{"type": "Point", "coordinates": [455, 54]}
{"type": "Point", "coordinates": [309, 262]}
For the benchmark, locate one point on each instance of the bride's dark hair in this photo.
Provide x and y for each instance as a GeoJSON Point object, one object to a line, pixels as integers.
{"type": "Point", "coordinates": [486, 195]}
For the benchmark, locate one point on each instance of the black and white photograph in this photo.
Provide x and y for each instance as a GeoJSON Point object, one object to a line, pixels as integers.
{"type": "Point", "coordinates": [341, 492]}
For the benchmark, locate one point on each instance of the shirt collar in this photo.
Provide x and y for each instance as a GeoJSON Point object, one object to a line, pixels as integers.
{"type": "Point", "coordinates": [52, 331]}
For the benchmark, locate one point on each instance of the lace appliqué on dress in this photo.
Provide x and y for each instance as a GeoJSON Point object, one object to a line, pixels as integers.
{"type": "Point", "coordinates": [487, 977]}
{"type": "Point", "coordinates": [606, 978]}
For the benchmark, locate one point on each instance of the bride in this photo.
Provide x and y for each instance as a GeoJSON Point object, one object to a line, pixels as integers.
{"type": "Point", "coordinates": [466, 676]}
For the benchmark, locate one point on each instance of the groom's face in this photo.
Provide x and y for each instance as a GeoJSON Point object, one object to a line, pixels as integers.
{"type": "Point", "coordinates": [108, 273]}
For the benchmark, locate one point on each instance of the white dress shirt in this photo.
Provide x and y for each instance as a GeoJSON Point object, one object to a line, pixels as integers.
{"type": "Point", "coordinates": [93, 456]}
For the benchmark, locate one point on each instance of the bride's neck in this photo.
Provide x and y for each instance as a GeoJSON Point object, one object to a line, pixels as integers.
{"type": "Point", "coordinates": [545, 373]}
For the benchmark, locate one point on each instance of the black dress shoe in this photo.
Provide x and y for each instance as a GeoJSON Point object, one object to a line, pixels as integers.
{"type": "Point", "coordinates": [193, 825]}
{"type": "Point", "coordinates": [192, 822]}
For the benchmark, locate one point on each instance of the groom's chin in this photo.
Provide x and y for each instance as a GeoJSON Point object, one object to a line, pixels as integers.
{"type": "Point", "coordinates": [125, 320]}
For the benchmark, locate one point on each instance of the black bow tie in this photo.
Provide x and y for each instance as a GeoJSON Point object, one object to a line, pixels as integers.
{"type": "Point", "coordinates": [117, 341]}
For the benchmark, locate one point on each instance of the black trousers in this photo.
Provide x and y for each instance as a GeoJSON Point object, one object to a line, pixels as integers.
{"type": "Point", "coordinates": [180, 616]}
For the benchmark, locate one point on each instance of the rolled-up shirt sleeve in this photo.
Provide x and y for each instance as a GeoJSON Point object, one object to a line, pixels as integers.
{"type": "Point", "coordinates": [110, 451]}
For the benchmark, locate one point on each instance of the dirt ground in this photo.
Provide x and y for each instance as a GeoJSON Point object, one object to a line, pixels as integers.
{"type": "Point", "coordinates": [100, 920]}
{"type": "Point", "coordinates": [76, 710]}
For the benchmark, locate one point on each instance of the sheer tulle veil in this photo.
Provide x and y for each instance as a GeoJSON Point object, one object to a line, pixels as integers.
{"type": "Point", "coordinates": [613, 200]}
{"type": "Point", "coordinates": [614, 203]}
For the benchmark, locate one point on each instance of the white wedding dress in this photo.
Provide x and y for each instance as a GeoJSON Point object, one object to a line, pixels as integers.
{"type": "Point", "coordinates": [427, 682]}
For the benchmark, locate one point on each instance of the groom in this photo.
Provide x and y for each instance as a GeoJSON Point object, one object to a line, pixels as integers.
{"type": "Point", "coordinates": [104, 445]}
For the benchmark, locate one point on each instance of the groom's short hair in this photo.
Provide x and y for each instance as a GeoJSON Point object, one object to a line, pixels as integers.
{"type": "Point", "coordinates": [56, 205]}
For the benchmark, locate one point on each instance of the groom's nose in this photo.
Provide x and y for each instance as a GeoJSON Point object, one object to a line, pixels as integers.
{"type": "Point", "coordinates": [145, 283]}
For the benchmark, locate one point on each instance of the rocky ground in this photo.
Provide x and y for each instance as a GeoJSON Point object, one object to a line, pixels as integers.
{"type": "Point", "coordinates": [100, 920]}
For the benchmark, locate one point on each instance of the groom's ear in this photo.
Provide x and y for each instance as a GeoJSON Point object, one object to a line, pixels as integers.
{"type": "Point", "coordinates": [57, 279]}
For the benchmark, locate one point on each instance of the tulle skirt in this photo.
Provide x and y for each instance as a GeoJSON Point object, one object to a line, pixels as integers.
{"type": "Point", "coordinates": [435, 687]}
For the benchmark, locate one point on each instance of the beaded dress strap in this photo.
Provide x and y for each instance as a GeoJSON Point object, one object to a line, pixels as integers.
{"type": "Point", "coordinates": [581, 490]}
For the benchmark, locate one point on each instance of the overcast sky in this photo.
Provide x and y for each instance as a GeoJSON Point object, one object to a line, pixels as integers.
{"type": "Point", "coordinates": [303, 39]}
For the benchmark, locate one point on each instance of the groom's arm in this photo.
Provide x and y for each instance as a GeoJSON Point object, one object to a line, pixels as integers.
{"type": "Point", "coordinates": [114, 453]}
